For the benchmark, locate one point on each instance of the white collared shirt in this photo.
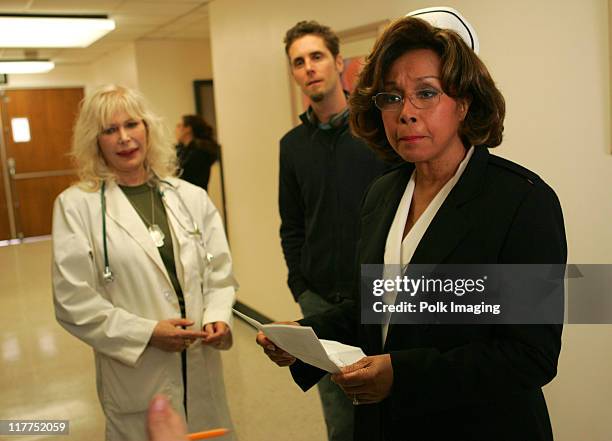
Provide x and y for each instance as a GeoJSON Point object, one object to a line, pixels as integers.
{"type": "Point", "coordinates": [398, 251]}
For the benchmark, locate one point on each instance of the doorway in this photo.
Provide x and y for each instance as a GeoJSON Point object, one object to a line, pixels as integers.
{"type": "Point", "coordinates": [205, 107]}
{"type": "Point", "coordinates": [36, 131]}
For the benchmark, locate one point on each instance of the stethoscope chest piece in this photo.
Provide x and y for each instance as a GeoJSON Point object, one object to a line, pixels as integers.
{"type": "Point", "coordinates": [107, 275]}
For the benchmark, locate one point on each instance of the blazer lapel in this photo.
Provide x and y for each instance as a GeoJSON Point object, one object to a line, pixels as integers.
{"type": "Point", "coordinates": [450, 223]}
{"type": "Point", "coordinates": [376, 224]}
{"type": "Point", "coordinates": [121, 211]}
{"type": "Point", "coordinates": [447, 228]}
{"type": "Point", "coordinates": [375, 228]}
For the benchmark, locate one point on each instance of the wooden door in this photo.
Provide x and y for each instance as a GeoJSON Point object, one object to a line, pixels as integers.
{"type": "Point", "coordinates": [5, 226]}
{"type": "Point", "coordinates": [39, 169]}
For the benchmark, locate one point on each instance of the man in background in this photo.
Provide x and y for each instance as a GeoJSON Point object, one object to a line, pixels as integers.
{"type": "Point", "coordinates": [324, 172]}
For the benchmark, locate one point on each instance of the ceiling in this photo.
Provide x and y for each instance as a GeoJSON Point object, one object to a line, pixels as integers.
{"type": "Point", "coordinates": [134, 20]}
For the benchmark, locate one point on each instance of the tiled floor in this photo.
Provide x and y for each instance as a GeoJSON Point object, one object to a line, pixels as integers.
{"type": "Point", "coordinates": [45, 373]}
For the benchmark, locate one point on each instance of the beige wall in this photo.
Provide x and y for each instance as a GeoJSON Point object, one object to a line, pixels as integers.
{"type": "Point", "coordinates": [163, 70]}
{"type": "Point", "coordinates": [62, 76]}
{"type": "Point", "coordinates": [253, 112]}
{"type": "Point", "coordinates": [550, 58]}
{"type": "Point", "coordinates": [166, 71]}
{"type": "Point", "coordinates": [116, 67]}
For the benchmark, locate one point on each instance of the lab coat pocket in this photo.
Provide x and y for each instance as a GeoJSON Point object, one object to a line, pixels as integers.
{"type": "Point", "coordinates": [126, 389]}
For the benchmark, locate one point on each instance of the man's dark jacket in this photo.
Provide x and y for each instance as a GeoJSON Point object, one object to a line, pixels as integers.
{"type": "Point", "coordinates": [323, 176]}
{"type": "Point", "coordinates": [459, 382]}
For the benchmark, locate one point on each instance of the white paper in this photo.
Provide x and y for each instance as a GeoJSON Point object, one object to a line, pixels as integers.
{"type": "Point", "coordinates": [303, 343]}
{"type": "Point", "coordinates": [341, 354]}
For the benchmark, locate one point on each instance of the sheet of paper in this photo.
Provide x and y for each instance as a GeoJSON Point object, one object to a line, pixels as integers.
{"type": "Point", "coordinates": [248, 319]}
{"type": "Point", "coordinates": [303, 343]}
{"type": "Point", "coordinates": [341, 354]}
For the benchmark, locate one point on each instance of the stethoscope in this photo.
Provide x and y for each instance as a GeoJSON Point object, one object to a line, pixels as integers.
{"type": "Point", "coordinates": [194, 232]}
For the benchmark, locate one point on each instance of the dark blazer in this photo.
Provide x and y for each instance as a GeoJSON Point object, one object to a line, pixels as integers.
{"type": "Point", "coordinates": [459, 382]}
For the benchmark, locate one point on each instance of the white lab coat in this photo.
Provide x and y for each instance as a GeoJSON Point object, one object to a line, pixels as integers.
{"type": "Point", "coordinates": [117, 319]}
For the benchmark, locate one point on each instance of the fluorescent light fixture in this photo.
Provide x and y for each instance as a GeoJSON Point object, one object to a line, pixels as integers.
{"type": "Point", "coordinates": [25, 30]}
{"type": "Point", "coordinates": [25, 66]}
{"type": "Point", "coordinates": [21, 130]}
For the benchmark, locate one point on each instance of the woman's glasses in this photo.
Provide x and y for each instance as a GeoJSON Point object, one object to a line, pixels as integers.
{"type": "Point", "coordinates": [421, 99]}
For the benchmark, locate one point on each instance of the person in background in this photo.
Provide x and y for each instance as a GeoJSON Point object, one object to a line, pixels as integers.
{"type": "Point", "coordinates": [141, 269]}
{"type": "Point", "coordinates": [426, 98]}
{"type": "Point", "coordinates": [324, 172]}
{"type": "Point", "coordinates": [197, 150]}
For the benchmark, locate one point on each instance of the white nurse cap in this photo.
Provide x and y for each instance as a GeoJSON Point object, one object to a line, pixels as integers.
{"type": "Point", "coordinates": [448, 18]}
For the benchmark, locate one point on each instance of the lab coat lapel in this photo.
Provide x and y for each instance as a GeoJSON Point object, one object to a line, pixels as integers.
{"type": "Point", "coordinates": [121, 211]}
{"type": "Point", "coordinates": [173, 205]}
{"type": "Point", "coordinates": [177, 221]}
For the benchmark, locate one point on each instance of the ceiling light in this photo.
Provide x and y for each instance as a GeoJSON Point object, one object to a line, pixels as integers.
{"type": "Point", "coordinates": [25, 66]}
{"type": "Point", "coordinates": [25, 30]}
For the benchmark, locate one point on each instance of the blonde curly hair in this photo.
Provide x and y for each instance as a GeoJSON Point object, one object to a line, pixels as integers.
{"type": "Point", "coordinates": [96, 112]}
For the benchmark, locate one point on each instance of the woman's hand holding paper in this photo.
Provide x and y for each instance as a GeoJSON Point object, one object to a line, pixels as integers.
{"type": "Point", "coordinates": [368, 381]}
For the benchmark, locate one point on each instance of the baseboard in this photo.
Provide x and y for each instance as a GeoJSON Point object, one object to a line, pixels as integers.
{"type": "Point", "coordinates": [253, 313]}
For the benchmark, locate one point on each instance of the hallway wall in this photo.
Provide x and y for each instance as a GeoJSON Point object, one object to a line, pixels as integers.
{"type": "Point", "coordinates": [166, 71]}
{"type": "Point", "coordinates": [62, 76]}
{"type": "Point", "coordinates": [163, 70]}
{"type": "Point", "coordinates": [118, 66]}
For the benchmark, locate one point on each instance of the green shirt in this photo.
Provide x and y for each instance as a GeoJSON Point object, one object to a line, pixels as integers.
{"type": "Point", "coordinates": [149, 205]}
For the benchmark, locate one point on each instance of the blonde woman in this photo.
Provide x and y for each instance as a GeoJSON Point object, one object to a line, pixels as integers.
{"type": "Point", "coordinates": [141, 269]}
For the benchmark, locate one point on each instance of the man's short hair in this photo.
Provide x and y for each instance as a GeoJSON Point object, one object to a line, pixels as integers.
{"type": "Point", "coordinates": [311, 27]}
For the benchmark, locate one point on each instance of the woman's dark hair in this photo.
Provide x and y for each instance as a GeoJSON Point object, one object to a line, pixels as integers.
{"type": "Point", "coordinates": [199, 127]}
{"type": "Point", "coordinates": [202, 134]}
{"type": "Point", "coordinates": [462, 75]}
